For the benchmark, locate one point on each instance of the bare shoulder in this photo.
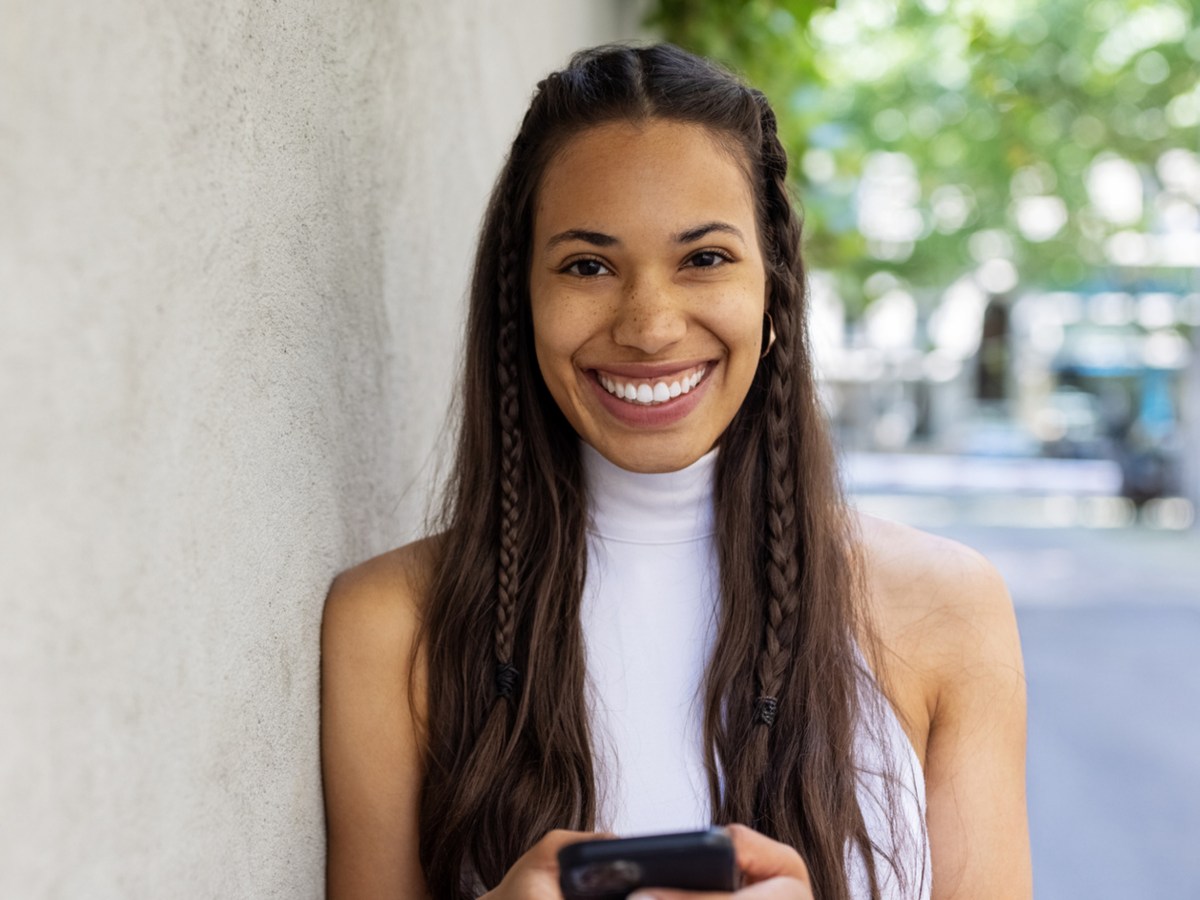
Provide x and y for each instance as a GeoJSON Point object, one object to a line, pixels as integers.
{"type": "Point", "coordinates": [373, 613]}
{"type": "Point", "coordinates": [920, 581]}
{"type": "Point", "coordinates": [388, 589]}
{"type": "Point", "coordinates": [372, 715]}
{"type": "Point", "coordinates": [953, 659]}
{"type": "Point", "coordinates": [940, 610]}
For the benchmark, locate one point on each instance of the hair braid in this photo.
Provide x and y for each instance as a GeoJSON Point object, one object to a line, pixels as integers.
{"type": "Point", "coordinates": [783, 573]}
{"type": "Point", "coordinates": [783, 566]}
{"type": "Point", "coordinates": [790, 574]}
{"type": "Point", "coordinates": [511, 452]}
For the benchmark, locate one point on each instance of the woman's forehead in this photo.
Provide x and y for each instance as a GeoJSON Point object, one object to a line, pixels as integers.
{"type": "Point", "coordinates": [626, 175]}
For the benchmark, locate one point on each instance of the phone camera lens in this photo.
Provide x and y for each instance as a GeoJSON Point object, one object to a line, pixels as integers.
{"type": "Point", "coordinates": [606, 877]}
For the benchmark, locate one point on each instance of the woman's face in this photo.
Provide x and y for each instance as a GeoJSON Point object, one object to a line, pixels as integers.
{"type": "Point", "coordinates": [648, 290]}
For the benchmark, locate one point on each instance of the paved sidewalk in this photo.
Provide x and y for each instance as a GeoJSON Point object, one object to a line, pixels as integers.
{"type": "Point", "coordinates": [1114, 750]}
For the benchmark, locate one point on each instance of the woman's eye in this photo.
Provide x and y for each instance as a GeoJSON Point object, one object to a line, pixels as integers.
{"type": "Point", "coordinates": [708, 259]}
{"type": "Point", "coordinates": [586, 268]}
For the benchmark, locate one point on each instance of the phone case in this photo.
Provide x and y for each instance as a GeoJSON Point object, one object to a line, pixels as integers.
{"type": "Point", "coordinates": [612, 869]}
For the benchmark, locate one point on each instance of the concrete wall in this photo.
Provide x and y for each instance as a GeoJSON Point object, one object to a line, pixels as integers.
{"type": "Point", "coordinates": [234, 238]}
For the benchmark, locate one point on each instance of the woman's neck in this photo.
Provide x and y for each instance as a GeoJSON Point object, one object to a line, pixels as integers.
{"type": "Point", "coordinates": [661, 508]}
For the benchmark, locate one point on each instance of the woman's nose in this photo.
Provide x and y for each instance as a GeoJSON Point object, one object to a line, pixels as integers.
{"type": "Point", "coordinates": [649, 319]}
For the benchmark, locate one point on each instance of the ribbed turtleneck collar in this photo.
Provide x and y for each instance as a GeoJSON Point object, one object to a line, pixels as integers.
{"type": "Point", "coordinates": [661, 508]}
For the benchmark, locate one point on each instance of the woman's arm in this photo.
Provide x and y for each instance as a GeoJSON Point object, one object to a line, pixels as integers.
{"type": "Point", "coordinates": [952, 665]}
{"type": "Point", "coordinates": [975, 761]}
{"type": "Point", "coordinates": [370, 753]}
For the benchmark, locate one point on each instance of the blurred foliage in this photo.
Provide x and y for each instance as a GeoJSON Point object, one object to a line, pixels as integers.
{"type": "Point", "coordinates": [990, 101]}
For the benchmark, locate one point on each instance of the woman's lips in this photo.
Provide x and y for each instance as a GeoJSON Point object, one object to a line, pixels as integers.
{"type": "Point", "coordinates": [651, 396]}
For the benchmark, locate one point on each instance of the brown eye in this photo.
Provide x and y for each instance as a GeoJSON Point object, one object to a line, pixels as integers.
{"type": "Point", "coordinates": [708, 259]}
{"type": "Point", "coordinates": [586, 268]}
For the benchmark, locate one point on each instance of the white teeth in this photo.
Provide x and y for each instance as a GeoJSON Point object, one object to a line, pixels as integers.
{"type": "Point", "coordinates": [648, 394]}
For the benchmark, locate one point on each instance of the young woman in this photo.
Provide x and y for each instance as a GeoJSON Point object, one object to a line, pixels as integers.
{"type": "Point", "coordinates": [649, 607]}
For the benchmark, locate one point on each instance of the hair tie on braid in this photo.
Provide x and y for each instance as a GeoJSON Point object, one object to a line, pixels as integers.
{"type": "Point", "coordinates": [506, 679]}
{"type": "Point", "coordinates": [764, 711]}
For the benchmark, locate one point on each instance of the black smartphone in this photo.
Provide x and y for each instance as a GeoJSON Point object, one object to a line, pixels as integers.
{"type": "Point", "coordinates": [612, 869]}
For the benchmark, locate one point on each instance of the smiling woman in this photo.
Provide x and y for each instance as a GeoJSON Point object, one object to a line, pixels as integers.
{"type": "Point", "coordinates": [647, 290]}
{"type": "Point", "coordinates": [649, 607]}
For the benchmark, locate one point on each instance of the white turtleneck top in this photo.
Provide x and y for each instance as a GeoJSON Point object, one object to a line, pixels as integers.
{"type": "Point", "coordinates": [649, 618]}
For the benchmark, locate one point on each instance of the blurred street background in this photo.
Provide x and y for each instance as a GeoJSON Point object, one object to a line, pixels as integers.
{"type": "Point", "coordinates": [1002, 216]}
{"type": "Point", "coordinates": [1110, 627]}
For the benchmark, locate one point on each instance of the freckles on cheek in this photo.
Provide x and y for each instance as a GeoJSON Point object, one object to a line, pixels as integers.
{"type": "Point", "coordinates": [564, 329]}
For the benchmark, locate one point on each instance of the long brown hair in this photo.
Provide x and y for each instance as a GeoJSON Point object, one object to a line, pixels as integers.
{"type": "Point", "coordinates": [508, 754]}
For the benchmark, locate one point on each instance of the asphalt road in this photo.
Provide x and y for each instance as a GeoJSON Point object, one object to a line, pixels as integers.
{"type": "Point", "coordinates": [1110, 626]}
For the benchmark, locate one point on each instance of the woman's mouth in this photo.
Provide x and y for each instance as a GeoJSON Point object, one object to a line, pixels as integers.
{"type": "Point", "coordinates": [651, 391]}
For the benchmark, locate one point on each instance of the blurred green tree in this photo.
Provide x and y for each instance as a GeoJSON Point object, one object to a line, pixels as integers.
{"type": "Point", "coordinates": [932, 138]}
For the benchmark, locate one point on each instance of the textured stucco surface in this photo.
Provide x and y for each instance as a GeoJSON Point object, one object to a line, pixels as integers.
{"type": "Point", "coordinates": [234, 238]}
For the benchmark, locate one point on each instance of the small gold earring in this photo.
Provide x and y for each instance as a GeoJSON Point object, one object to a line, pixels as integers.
{"type": "Point", "coordinates": [768, 337]}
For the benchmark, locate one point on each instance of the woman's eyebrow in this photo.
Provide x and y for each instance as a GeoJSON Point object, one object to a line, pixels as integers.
{"type": "Point", "coordinates": [596, 238]}
{"type": "Point", "coordinates": [695, 234]}
{"type": "Point", "coordinates": [600, 239]}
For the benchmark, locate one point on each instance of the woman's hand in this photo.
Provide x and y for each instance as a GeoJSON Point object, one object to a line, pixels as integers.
{"type": "Point", "coordinates": [770, 870]}
{"type": "Point", "coordinates": [535, 875]}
